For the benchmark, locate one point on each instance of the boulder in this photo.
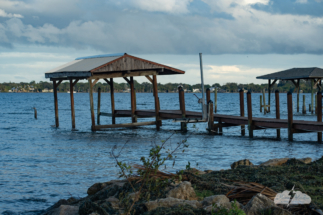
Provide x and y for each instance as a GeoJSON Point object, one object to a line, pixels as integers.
{"type": "Point", "coordinates": [183, 191]}
{"type": "Point", "coordinates": [227, 205]}
{"type": "Point", "coordinates": [99, 186]}
{"type": "Point", "coordinates": [244, 162]}
{"type": "Point", "coordinates": [195, 171]}
{"type": "Point", "coordinates": [275, 162]}
{"type": "Point", "coordinates": [219, 200]}
{"type": "Point", "coordinates": [306, 160]}
{"type": "Point", "coordinates": [66, 210]}
{"type": "Point", "coordinates": [114, 202]}
{"type": "Point", "coordinates": [170, 202]}
{"type": "Point", "coordinates": [260, 204]}
{"type": "Point", "coordinates": [133, 196]}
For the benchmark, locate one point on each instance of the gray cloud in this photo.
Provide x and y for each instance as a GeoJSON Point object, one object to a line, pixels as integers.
{"type": "Point", "coordinates": [110, 29]}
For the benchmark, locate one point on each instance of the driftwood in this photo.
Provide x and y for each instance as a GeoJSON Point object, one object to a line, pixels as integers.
{"type": "Point", "coordinates": [244, 191]}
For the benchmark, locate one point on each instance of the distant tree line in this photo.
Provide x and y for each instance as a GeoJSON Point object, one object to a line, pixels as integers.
{"type": "Point", "coordinates": [282, 86]}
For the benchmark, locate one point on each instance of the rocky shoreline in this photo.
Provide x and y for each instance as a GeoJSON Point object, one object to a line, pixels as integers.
{"type": "Point", "coordinates": [209, 192]}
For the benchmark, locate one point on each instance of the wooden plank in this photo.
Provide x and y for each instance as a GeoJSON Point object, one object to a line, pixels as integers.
{"type": "Point", "coordinates": [72, 103]}
{"type": "Point", "coordinates": [149, 78]}
{"type": "Point", "coordinates": [91, 105]}
{"type": "Point", "coordinates": [125, 125]}
{"type": "Point", "coordinates": [123, 74]}
{"type": "Point", "coordinates": [211, 118]}
{"type": "Point", "coordinates": [55, 85]}
{"type": "Point", "coordinates": [156, 101]}
{"type": "Point", "coordinates": [112, 100]}
{"type": "Point", "coordinates": [182, 107]}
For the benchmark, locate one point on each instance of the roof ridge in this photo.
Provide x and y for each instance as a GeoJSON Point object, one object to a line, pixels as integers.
{"type": "Point", "coordinates": [102, 55]}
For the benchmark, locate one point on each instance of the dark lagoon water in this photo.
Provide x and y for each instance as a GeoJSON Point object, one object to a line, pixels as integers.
{"type": "Point", "coordinates": [40, 165]}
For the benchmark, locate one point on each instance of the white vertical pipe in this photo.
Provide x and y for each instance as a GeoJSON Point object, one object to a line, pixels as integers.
{"type": "Point", "coordinates": [202, 81]}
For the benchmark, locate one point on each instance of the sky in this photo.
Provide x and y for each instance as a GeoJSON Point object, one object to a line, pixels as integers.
{"type": "Point", "coordinates": [239, 39]}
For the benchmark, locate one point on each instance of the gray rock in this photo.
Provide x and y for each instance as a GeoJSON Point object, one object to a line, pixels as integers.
{"type": "Point", "coordinates": [66, 210]}
{"type": "Point", "coordinates": [306, 160]}
{"type": "Point", "coordinates": [183, 191]}
{"type": "Point", "coordinates": [227, 205]}
{"type": "Point", "coordinates": [275, 162]}
{"type": "Point", "coordinates": [133, 196]}
{"type": "Point", "coordinates": [244, 162]}
{"type": "Point", "coordinates": [170, 202]}
{"type": "Point", "coordinates": [220, 200]}
{"type": "Point", "coordinates": [195, 171]}
{"type": "Point", "coordinates": [99, 186]}
{"type": "Point", "coordinates": [261, 204]}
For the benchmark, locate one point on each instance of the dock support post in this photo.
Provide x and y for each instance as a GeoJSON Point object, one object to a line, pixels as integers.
{"type": "Point", "coordinates": [277, 111]}
{"type": "Point", "coordinates": [35, 113]}
{"type": "Point", "coordinates": [298, 88]}
{"type": "Point", "coordinates": [55, 85]}
{"type": "Point", "coordinates": [215, 99]}
{"type": "Point", "coordinates": [304, 106]}
{"type": "Point", "coordinates": [243, 132]}
{"type": "Point", "coordinates": [99, 106]}
{"type": "Point", "coordinates": [290, 115]}
{"type": "Point", "coordinates": [72, 103]}
{"type": "Point", "coordinates": [319, 114]}
{"type": "Point", "coordinates": [112, 101]}
{"type": "Point", "coordinates": [264, 96]}
{"type": "Point", "coordinates": [91, 105]}
{"type": "Point", "coordinates": [156, 102]}
{"type": "Point", "coordinates": [315, 111]}
{"type": "Point", "coordinates": [269, 87]}
{"type": "Point", "coordinates": [249, 106]}
{"type": "Point", "coordinates": [260, 103]}
{"type": "Point", "coordinates": [312, 95]}
{"type": "Point", "coordinates": [133, 104]}
{"type": "Point", "coordinates": [182, 107]}
{"type": "Point", "coordinates": [208, 95]}
{"type": "Point", "coordinates": [211, 118]}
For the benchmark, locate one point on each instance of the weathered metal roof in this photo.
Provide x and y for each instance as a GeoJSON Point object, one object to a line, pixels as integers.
{"type": "Point", "coordinates": [295, 73]}
{"type": "Point", "coordinates": [87, 66]}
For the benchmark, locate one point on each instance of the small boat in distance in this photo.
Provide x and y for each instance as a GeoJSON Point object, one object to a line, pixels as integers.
{"type": "Point", "coordinates": [70, 92]}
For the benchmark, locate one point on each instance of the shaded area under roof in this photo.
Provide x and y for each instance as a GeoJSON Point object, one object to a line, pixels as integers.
{"type": "Point", "coordinates": [85, 67]}
{"type": "Point", "coordinates": [295, 73]}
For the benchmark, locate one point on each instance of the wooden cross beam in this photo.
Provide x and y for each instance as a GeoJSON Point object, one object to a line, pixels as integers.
{"type": "Point", "coordinates": [96, 81]}
{"type": "Point", "coordinates": [149, 78]}
{"type": "Point", "coordinates": [127, 80]}
{"type": "Point", "coordinates": [58, 83]}
{"type": "Point", "coordinates": [316, 83]}
{"type": "Point", "coordinates": [272, 84]}
{"type": "Point", "coordinates": [106, 80]}
{"type": "Point", "coordinates": [75, 82]}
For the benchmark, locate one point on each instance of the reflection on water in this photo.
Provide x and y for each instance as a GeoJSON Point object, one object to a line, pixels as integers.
{"type": "Point", "coordinates": [41, 164]}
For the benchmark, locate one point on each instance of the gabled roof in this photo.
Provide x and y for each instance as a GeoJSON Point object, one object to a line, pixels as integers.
{"type": "Point", "coordinates": [295, 73]}
{"type": "Point", "coordinates": [98, 64]}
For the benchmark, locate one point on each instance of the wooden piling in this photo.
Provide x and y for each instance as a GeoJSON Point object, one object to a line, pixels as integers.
{"type": "Point", "coordinates": [315, 111]}
{"type": "Point", "coordinates": [298, 88]}
{"type": "Point", "coordinates": [319, 114]}
{"type": "Point", "coordinates": [99, 106]}
{"type": "Point", "coordinates": [133, 104]}
{"type": "Point", "coordinates": [182, 107]}
{"type": "Point", "coordinates": [249, 106]}
{"type": "Point", "coordinates": [269, 89]}
{"type": "Point", "coordinates": [211, 117]}
{"type": "Point", "coordinates": [277, 111]}
{"type": "Point", "coordinates": [260, 103]}
{"type": "Point", "coordinates": [160, 122]}
{"type": "Point", "coordinates": [264, 100]}
{"type": "Point", "coordinates": [312, 96]}
{"type": "Point", "coordinates": [35, 113]}
{"type": "Point", "coordinates": [215, 99]}
{"type": "Point", "coordinates": [241, 95]}
{"type": "Point", "coordinates": [208, 95]}
{"type": "Point", "coordinates": [91, 105]}
{"type": "Point", "coordinates": [72, 103]}
{"type": "Point", "coordinates": [304, 106]}
{"type": "Point", "coordinates": [290, 115]}
{"type": "Point", "coordinates": [56, 104]}
{"type": "Point", "coordinates": [112, 101]}
{"type": "Point", "coordinates": [156, 102]}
